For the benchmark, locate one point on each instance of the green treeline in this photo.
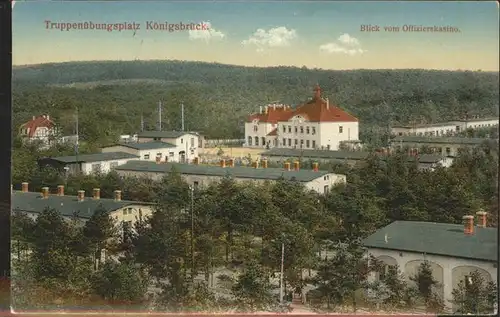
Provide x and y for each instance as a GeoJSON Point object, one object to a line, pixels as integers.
{"type": "Point", "coordinates": [217, 98]}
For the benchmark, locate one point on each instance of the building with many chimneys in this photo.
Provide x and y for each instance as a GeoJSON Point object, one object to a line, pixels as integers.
{"type": "Point", "coordinates": [316, 124]}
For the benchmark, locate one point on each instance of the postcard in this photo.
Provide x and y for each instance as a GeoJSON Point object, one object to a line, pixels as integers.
{"type": "Point", "coordinates": [299, 157]}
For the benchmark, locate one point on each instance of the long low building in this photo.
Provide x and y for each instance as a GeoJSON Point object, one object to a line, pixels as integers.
{"type": "Point", "coordinates": [82, 207]}
{"type": "Point", "coordinates": [453, 251]}
{"type": "Point", "coordinates": [87, 163]}
{"type": "Point", "coordinates": [449, 128]}
{"type": "Point", "coordinates": [202, 175]}
{"type": "Point", "coordinates": [446, 146]}
{"type": "Point", "coordinates": [278, 156]}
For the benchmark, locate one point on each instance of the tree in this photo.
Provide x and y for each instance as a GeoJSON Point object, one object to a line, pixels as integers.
{"type": "Point", "coordinates": [120, 283]}
{"type": "Point", "coordinates": [474, 295]}
{"type": "Point", "coordinates": [425, 284]}
{"type": "Point", "coordinates": [101, 233]}
{"type": "Point", "coordinates": [341, 276]}
{"type": "Point", "coordinates": [253, 289]}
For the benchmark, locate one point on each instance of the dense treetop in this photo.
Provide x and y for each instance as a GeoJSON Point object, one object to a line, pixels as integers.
{"type": "Point", "coordinates": [217, 97]}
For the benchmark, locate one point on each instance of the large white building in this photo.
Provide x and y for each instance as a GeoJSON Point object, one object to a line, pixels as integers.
{"type": "Point", "coordinates": [449, 128]}
{"type": "Point", "coordinates": [316, 124]}
{"type": "Point", "coordinates": [453, 251]}
{"type": "Point", "coordinates": [202, 175]}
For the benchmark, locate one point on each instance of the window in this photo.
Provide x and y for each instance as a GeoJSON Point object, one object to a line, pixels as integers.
{"type": "Point", "coordinates": [296, 129]}
{"type": "Point", "coordinates": [250, 141]}
{"type": "Point", "coordinates": [307, 143]}
{"type": "Point", "coordinates": [301, 129]}
{"type": "Point", "coordinates": [289, 129]}
{"type": "Point", "coordinates": [326, 189]}
{"type": "Point", "coordinates": [192, 142]}
{"type": "Point", "coordinates": [314, 144]}
{"type": "Point", "coordinates": [182, 141]}
{"type": "Point", "coordinates": [341, 129]}
{"type": "Point", "coordinates": [307, 130]}
{"type": "Point", "coordinates": [383, 272]}
{"type": "Point", "coordinates": [195, 185]}
{"type": "Point", "coordinates": [255, 128]}
{"type": "Point", "coordinates": [284, 141]}
{"type": "Point", "coordinates": [171, 154]}
{"type": "Point", "coordinates": [313, 130]}
{"type": "Point", "coordinates": [457, 128]}
{"type": "Point", "coordinates": [284, 129]}
{"type": "Point", "coordinates": [156, 139]}
{"type": "Point", "coordinates": [96, 168]}
{"type": "Point", "coordinates": [113, 165]}
{"type": "Point", "coordinates": [159, 155]}
{"type": "Point", "coordinates": [289, 142]}
{"type": "Point", "coordinates": [448, 151]}
{"type": "Point", "coordinates": [256, 140]}
{"type": "Point", "coordinates": [296, 141]}
{"type": "Point", "coordinates": [146, 156]}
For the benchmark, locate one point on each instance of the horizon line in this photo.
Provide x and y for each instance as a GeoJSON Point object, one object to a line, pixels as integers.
{"type": "Point", "coordinates": [246, 66]}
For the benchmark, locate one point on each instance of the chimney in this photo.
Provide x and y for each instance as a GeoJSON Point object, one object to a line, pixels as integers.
{"type": "Point", "coordinates": [158, 160]}
{"type": "Point", "coordinates": [265, 109]}
{"type": "Point", "coordinates": [118, 195]}
{"type": "Point", "coordinates": [223, 163]}
{"type": "Point", "coordinates": [45, 192]}
{"type": "Point", "coordinates": [231, 162]}
{"type": "Point", "coordinates": [97, 193]}
{"type": "Point", "coordinates": [24, 187]}
{"type": "Point", "coordinates": [48, 117]}
{"type": "Point", "coordinates": [315, 166]}
{"type": "Point", "coordinates": [60, 190]}
{"type": "Point", "coordinates": [327, 103]}
{"type": "Point", "coordinates": [260, 109]}
{"type": "Point", "coordinates": [196, 161]}
{"type": "Point", "coordinates": [287, 166]}
{"type": "Point", "coordinates": [274, 106]}
{"type": "Point", "coordinates": [296, 165]}
{"type": "Point", "coordinates": [81, 195]}
{"type": "Point", "coordinates": [468, 225]}
{"type": "Point", "coordinates": [264, 163]}
{"type": "Point", "coordinates": [481, 219]}
{"type": "Point", "coordinates": [34, 117]}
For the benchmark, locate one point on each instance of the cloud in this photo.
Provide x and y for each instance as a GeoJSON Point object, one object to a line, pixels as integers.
{"type": "Point", "coordinates": [345, 44]}
{"type": "Point", "coordinates": [275, 37]}
{"type": "Point", "coordinates": [206, 35]}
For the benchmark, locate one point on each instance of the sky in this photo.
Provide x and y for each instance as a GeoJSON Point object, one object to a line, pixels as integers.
{"type": "Point", "coordinates": [314, 34]}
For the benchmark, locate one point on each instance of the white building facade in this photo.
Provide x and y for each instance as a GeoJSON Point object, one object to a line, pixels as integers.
{"type": "Point", "coordinates": [203, 175]}
{"type": "Point", "coordinates": [186, 143]}
{"type": "Point", "coordinates": [443, 129]}
{"type": "Point", "coordinates": [314, 125]}
{"type": "Point", "coordinates": [452, 257]}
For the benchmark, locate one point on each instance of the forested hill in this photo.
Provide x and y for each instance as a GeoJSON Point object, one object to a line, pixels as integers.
{"type": "Point", "coordinates": [112, 95]}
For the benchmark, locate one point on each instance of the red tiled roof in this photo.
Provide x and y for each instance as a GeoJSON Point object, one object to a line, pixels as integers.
{"type": "Point", "coordinates": [274, 132]}
{"type": "Point", "coordinates": [319, 110]}
{"type": "Point", "coordinates": [38, 122]}
{"type": "Point", "coordinates": [273, 115]}
{"type": "Point", "coordinates": [316, 110]}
